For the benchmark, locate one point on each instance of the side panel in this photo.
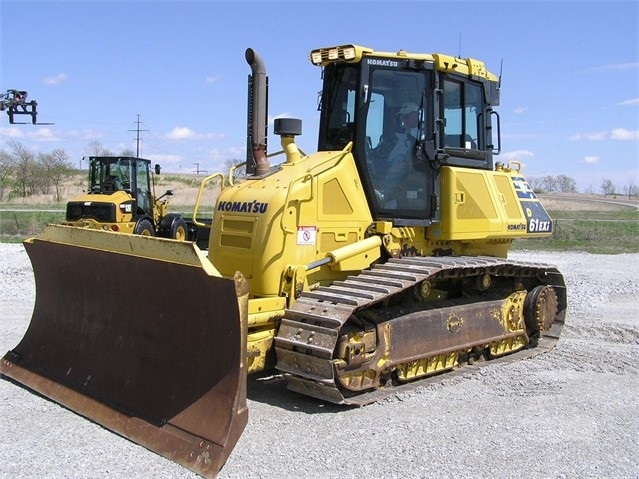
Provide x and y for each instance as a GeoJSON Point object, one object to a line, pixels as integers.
{"type": "Point", "coordinates": [290, 217]}
{"type": "Point", "coordinates": [480, 204]}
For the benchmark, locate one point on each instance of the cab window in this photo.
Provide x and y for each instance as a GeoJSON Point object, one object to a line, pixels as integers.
{"type": "Point", "coordinates": [397, 113]}
{"type": "Point", "coordinates": [143, 195]}
{"type": "Point", "coordinates": [462, 115]}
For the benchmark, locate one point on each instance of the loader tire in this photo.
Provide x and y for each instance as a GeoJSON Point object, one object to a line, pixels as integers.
{"type": "Point", "coordinates": [179, 230]}
{"type": "Point", "coordinates": [144, 228]}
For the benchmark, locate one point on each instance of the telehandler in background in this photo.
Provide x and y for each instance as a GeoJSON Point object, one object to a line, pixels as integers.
{"type": "Point", "coordinates": [377, 261]}
{"type": "Point", "coordinates": [15, 103]}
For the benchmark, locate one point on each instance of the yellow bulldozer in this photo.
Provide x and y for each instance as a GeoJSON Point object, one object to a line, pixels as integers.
{"type": "Point", "coordinates": [378, 260]}
{"type": "Point", "coordinates": [121, 197]}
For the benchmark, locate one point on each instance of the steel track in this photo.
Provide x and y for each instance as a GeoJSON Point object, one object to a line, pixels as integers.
{"type": "Point", "coordinates": [310, 329]}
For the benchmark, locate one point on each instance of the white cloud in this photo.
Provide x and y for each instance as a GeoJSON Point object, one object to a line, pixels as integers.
{"type": "Point", "coordinates": [632, 101]}
{"type": "Point", "coordinates": [593, 136]}
{"type": "Point", "coordinates": [520, 109]}
{"type": "Point", "coordinates": [614, 134]}
{"type": "Point", "coordinates": [55, 80]}
{"type": "Point", "coordinates": [212, 79]}
{"type": "Point", "coordinates": [90, 134]}
{"type": "Point", "coordinates": [516, 155]}
{"type": "Point", "coordinates": [37, 134]}
{"type": "Point", "coordinates": [185, 133]}
{"type": "Point", "coordinates": [11, 132]}
{"type": "Point", "coordinates": [591, 160]}
{"type": "Point", "coordinates": [623, 134]}
{"type": "Point", "coordinates": [165, 159]}
{"type": "Point", "coordinates": [44, 134]}
{"type": "Point", "coordinates": [180, 133]}
{"type": "Point", "coordinates": [596, 136]}
{"type": "Point", "coordinates": [613, 67]}
{"type": "Point", "coordinates": [231, 153]}
{"type": "Point", "coordinates": [86, 134]}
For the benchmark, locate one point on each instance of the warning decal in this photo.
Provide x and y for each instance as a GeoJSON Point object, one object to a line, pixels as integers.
{"type": "Point", "coordinates": [306, 235]}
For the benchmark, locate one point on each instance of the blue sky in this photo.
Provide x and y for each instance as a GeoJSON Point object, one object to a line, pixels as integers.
{"type": "Point", "coordinates": [569, 100]}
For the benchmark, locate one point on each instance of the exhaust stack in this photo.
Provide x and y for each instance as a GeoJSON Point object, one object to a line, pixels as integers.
{"type": "Point", "coordinates": [256, 160]}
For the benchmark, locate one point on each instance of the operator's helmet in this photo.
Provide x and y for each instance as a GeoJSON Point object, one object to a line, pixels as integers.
{"type": "Point", "coordinates": [407, 108]}
{"type": "Point", "coordinates": [408, 114]}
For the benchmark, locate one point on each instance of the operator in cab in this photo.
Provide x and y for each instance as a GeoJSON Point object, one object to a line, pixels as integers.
{"type": "Point", "coordinates": [400, 159]}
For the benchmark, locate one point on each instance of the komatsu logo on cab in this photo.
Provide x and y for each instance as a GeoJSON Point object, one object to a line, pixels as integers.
{"type": "Point", "coordinates": [243, 206]}
{"type": "Point", "coordinates": [383, 63]}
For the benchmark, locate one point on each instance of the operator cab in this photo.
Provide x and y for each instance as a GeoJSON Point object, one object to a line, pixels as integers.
{"type": "Point", "coordinates": [406, 118]}
{"type": "Point", "coordinates": [108, 174]}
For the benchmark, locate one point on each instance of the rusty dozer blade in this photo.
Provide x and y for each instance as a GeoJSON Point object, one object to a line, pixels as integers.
{"type": "Point", "coordinates": [141, 335]}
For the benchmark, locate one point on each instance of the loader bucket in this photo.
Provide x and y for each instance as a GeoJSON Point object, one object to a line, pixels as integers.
{"type": "Point", "coordinates": [141, 335]}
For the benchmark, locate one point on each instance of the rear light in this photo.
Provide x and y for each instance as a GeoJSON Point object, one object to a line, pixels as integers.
{"type": "Point", "coordinates": [114, 227]}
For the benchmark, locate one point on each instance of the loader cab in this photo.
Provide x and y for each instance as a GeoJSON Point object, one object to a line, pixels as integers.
{"type": "Point", "coordinates": [108, 174]}
{"type": "Point", "coordinates": [406, 118]}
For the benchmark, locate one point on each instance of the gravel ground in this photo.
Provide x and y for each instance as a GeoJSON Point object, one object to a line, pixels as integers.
{"type": "Point", "coordinates": [569, 413]}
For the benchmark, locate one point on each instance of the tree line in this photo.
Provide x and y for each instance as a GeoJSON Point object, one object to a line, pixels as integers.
{"type": "Point", "coordinates": [24, 173]}
{"type": "Point", "coordinates": [566, 184]}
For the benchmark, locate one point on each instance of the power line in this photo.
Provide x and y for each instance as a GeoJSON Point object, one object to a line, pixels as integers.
{"type": "Point", "coordinates": [137, 137]}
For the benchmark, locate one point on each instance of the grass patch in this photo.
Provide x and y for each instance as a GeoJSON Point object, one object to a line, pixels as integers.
{"type": "Point", "coordinates": [11, 207]}
{"type": "Point", "coordinates": [600, 232]}
{"type": "Point", "coordinates": [601, 229]}
{"type": "Point", "coordinates": [191, 182]}
{"type": "Point", "coordinates": [17, 225]}
{"type": "Point", "coordinates": [626, 214]}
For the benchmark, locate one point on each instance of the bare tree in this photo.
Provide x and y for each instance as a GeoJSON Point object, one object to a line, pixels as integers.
{"type": "Point", "coordinates": [607, 187]}
{"type": "Point", "coordinates": [127, 152]}
{"type": "Point", "coordinates": [534, 183]}
{"type": "Point", "coordinates": [630, 188]}
{"type": "Point", "coordinates": [24, 163]}
{"type": "Point", "coordinates": [57, 169]}
{"type": "Point", "coordinates": [95, 148]}
{"type": "Point", "coordinates": [238, 172]}
{"type": "Point", "coordinates": [6, 172]}
{"type": "Point", "coordinates": [549, 183]}
{"type": "Point", "coordinates": [40, 182]}
{"type": "Point", "coordinates": [566, 184]}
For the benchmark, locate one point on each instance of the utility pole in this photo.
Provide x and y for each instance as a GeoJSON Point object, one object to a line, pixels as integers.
{"type": "Point", "coordinates": [197, 169]}
{"type": "Point", "coordinates": [137, 138]}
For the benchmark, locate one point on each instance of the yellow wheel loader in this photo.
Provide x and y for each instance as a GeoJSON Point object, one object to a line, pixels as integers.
{"type": "Point", "coordinates": [356, 271]}
{"type": "Point", "coordinates": [121, 198]}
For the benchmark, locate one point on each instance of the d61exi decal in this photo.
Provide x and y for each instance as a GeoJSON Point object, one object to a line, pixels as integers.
{"type": "Point", "coordinates": [537, 220]}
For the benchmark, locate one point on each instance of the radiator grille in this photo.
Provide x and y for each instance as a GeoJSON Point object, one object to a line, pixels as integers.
{"type": "Point", "coordinates": [103, 212]}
